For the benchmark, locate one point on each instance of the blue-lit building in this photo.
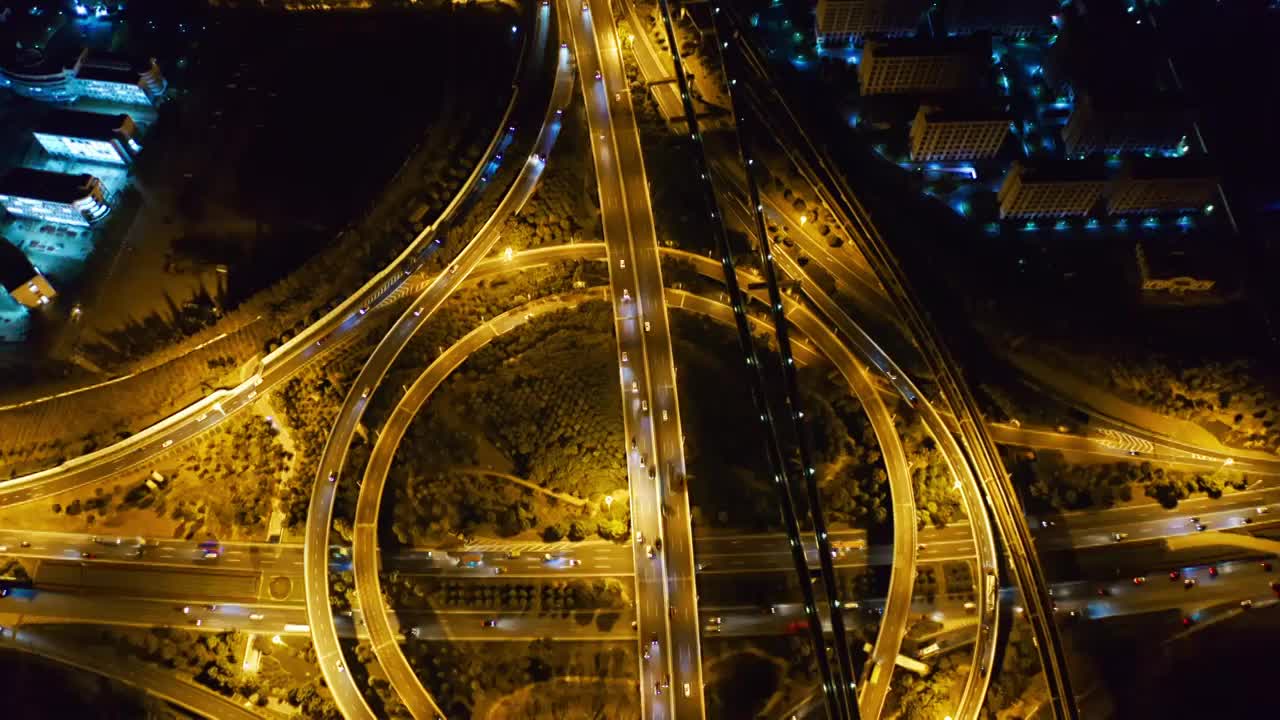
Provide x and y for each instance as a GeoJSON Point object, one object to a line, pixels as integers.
{"type": "Point", "coordinates": [88, 136]}
{"type": "Point", "coordinates": [1162, 185]}
{"type": "Point", "coordinates": [959, 129]}
{"type": "Point", "coordinates": [1051, 188]}
{"type": "Point", "coordinates": [1116, 121]}
{"type": "Point", "coordinates": [53, 197]}
{"type": "Point", "coordinates": [88, 73]}
{"type": "Point", "coordinates": [1011, 18]}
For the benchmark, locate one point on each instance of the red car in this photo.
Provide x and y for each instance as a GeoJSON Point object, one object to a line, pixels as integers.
{"type": "Point", "coordinates": [1173, 575]}
{"type": "Point", "coordinates": [1140, 580]}
{"type": "Point", "coordinates": [797, 626]}
{"type": "Point", "coordinates": [1213, 572]}
{"type": "Point", "coordinates": [1188, 622]}
{"type": "Point", "coordinates": [1266, 566]}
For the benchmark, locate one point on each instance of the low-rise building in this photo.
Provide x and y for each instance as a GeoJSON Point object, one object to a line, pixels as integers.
{"type": "Point", "coordinates": [86, 73]}
{"type": "Point", "coordinates": [1116, 122]}
{"type": "Point", "coordinates": [843, 21]}
{"type": "Point", "coordinates": [88, 136]}
{"type": "Point", "coordinates": [53, 197]}
{"type": "Point", "coordinates": [918, 65]}
{"type": "Point", "coordinates": [969, 130]}
{"type": "Point", "coordinates": [118, 78]}
{"type": "Point", "coordinates": [1161, 185]}
{"type": "Point", "coordinates": [1051, 188]}
{"type": "Point", "coordinates": [21, 279]}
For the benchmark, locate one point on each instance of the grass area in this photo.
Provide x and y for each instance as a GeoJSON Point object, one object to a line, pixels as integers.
{"type": "Point", "coordinates": [221, 484]}
{"type": "Point", "coordinates": [468, 679]}
{"type": "Point", "coordinates": [288, 678]}
{"type": "Point", "coordinates": [1052, 483]}
{"type": "Point", "coordinates": [537, 403]}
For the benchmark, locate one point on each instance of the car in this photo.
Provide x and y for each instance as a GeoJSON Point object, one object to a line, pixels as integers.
{"type": "Point", "coordinates": [574, 562]}
{"type": "Point", "coordinates": [559, 112]}
{"type": "Point", "coordinates": [201, 417]}
{"type": "Point", "coordinates": [648, 550]}
{"type": "Point", "coordinates": [653, 640]}
{"type": "Point", "coordinates": [641, 461]}
{"type": "Point", "coordinates": [1174, 575]}
{"type": "Point", "coordinates": [622, 263]}
{"type": "Point", "coordinates": [1262, 509]}
{"type": "Point", "coordinates": [664, 416]}
{"type": "Point", "coordinates": [340, 667]}
{"type": "Point", "coordinates": [1188, 622]}
{"type": "Point", "coordinates": [364, 309]}
{"type": "Point", "coordinates": [166, 443]}
{"type": "Point", "coordinates": [417, 313]}
{"type": "Point", "coordinates": [453, 269]}
{"type": "Point", "coordinates": [1189, 583]}
{"type": "Point", "coordinates": [617, 97]}
{"type": "Point", "coordinates": [499, 570]}
{"type": "Point", "coordinates": [644, 406]}
{"type": "Point", "coordinates": [25, 544]}
{"type": "Point", "coordinates": [333, 476]}
{"type": "Point", "coordinates": [1266, 566]}
{"type": "Point", "coordinates": [4, 591]}
{"type": "Point", "coordinates": [658, 544]}
{"type": "Point", "coordinates": [599, 76]}
{"type": "Point", "coordinates": [491, 623]}
{"type": "Point", "coordinates": [4, 548]}
{"type": "Point", "coordinates": [197, 622]}
{"type": "Point", "coordinates": [1118, 536]}
{"type": "Point", "coordinates": [639, 537]}
{"type": "Point", "coordinates": [1201, 527]}
{"type": "Point", "coordinates": [796, 626]}
{"type": "Point", "coordinates": [672, 612]}
{"type": "Point", "coordinates": [1047, 523]}
{"type": "Point", "coordinates": [185, 609]}
{"type": "Point", "coordinates": [548, 557]}
{"type": "Point", "coordinates": [256, 616]}
{"type": "Point", "coordinates": [364, 393]}
{"type": "Point", "coordinates": [1140, 580]}
{"type": "Point", "coordinates": [769, 610]}
{"type": "Point", "coordinates": [513, 554]}
{"type": "Point", "coordinates": [584, 6]}
{"type": "Point", "coordinates": [635, 387]}
{"type": "Point", "coordinates": [1213, 572]}
{"type": "Point", "coordinates": [1275, 587]}
{"type": "Point", "coordinates": [1246, 521]}
{"type": "Point", "coordinates": [686, 690]}
{"type": "Point", "coordinates": [211, 608]}
{"type": "Point", "coordinates": [712, 629]}
{"type": "Point", "coordinates": [86, 555]}
{"type": "Point", "coordinates": [625, 357]}
{"type": "Point", "coordinates": [647, 326]}
{"type": "Point", "coordinates": [1246, 604]}
{"type": "Point", "coordinates": [657, 688]}
{"type": "Point", "coordinates": [1103, 592]}
{"type": "Point", "coordinates": [653, 472]}
{"type": "Point", "coordinates": [716, 620]}
{"type": "Point", "coordinates": [320, 342]}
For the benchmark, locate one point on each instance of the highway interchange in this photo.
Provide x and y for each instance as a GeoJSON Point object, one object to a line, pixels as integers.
{"type": "Point", "coordinates": [671, 682]}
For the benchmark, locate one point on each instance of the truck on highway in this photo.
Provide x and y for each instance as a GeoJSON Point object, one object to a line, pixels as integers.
{"type": "Point", "coordinates": [471, 560]}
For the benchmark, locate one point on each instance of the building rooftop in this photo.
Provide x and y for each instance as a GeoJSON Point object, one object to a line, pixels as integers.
{"type": "Point", "coordinates": [962, 109]}
{"type": "Point", "coordinates": [1060, 170]}
{"type": "Point", "coordinates": [1172, 168]}
{"type": "Point", "coordinates": [108, 74]}
{"type": "Point", "coordinates": [71, 123]}
{"type": "Point", "coordinates": [979, 43]}
{"type": "Point", "coordinates": [44, 185]}
{"type": "Point", "coordinates": [116, 61]}
{"type": "Point", "coordinates": [15, 268]}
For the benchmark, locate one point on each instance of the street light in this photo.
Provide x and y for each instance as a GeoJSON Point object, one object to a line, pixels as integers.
{"type": "Point", "coordinates": [608, 501]}
{"type": "Point", "coordinates": [804, 219]}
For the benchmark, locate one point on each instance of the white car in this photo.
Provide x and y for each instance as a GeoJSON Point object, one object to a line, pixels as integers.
{"type": "Point", "coordinates": [622, 264]}
{"type": "Point", "coordinates": [365, 393]}
{"type": "Point", "coordinates": [625, 357]}
{"type": "Point", "coordinates": [167, 443]}
{"type": "Point", "coordinates": [255, 616]}
{"type": "Point", "coordinates": [686, 690]}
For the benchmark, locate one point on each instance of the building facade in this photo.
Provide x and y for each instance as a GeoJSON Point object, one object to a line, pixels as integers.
{"type": "Point", "coordinates": [53, 197]}
{"type": "Point", "coordinates": [1161, 185]}
{"type": "Point", "coordinates": [1057, 188]}
{"type": "Point", "coordinates": [21, 279]}
{"type": "Point", "coordinates": [912, 65]}
{"type": "Point", "coordinates": [89, 73]}
{"type": "Point", "coordinates": [968, 131]}
{"type": "Point", "coordinates": [844, 21]}
{"type": "Point", "coordinates": [88, 136]}
{"type": "Point", "coordinates": [1115, 122]}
